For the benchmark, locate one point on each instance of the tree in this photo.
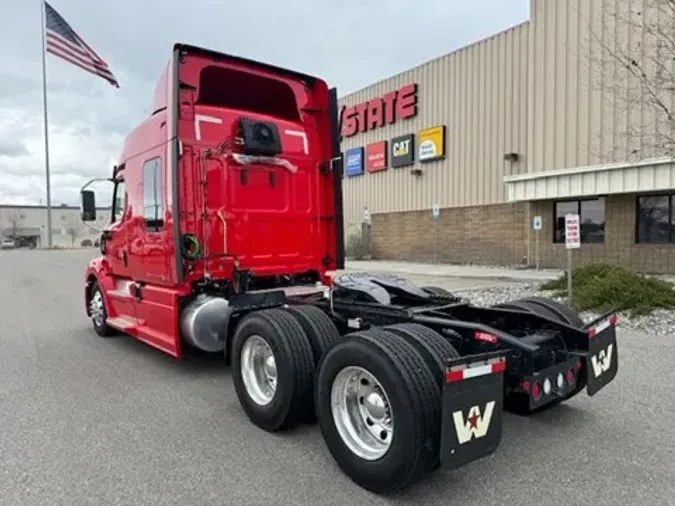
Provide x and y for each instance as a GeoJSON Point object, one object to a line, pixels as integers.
{"type": "Point", "coordinates": [72, 229]}
{"type": "Point", "coordinates": [634, 49]}
{"type": "Point", "coordinates": [15, 220]}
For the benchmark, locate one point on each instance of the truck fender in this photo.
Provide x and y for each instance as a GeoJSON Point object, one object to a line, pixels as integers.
{"type": "Point", "coordinates": [95, 272]}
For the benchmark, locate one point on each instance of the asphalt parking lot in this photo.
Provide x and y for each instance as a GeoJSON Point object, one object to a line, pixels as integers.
{"type": "Point", "coordinates": [85, 420]}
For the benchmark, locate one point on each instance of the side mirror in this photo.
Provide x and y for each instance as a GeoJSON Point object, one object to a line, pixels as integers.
{"type": "Point", "coordinates": [88, 205]}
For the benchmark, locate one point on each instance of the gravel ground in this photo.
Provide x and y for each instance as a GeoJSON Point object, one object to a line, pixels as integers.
{"type": "Point", "coordinates": [659, 322]}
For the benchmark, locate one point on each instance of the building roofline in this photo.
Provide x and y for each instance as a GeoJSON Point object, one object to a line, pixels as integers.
{"type": "Point", "coordinates": [445, 55]}
{"type": "Point", "coordinates": [54, 208]}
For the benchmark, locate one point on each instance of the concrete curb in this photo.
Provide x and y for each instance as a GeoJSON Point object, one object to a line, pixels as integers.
{"type": "Point", "coordinates": [505, 274]}
{"type": "Point", "coordinates": [525, 277]}
{"type": "Point", "coordinates": [513, 279]}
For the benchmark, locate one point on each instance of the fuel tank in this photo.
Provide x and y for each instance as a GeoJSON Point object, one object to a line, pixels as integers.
{"type": "Point", "coordinates": [204, 322]}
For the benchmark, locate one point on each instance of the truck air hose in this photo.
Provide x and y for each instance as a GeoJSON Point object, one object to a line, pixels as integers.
{"type": "Point", "coordinates": [191, 249]}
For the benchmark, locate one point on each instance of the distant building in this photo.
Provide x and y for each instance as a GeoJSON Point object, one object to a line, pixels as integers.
{"type": "Point", "coordinates": [27, 225]}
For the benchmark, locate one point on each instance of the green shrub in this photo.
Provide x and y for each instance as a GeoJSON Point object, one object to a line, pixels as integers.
{"type": "Point", "coordinates": [357, 247]}
{"type": "Point", "coordinates": [601, 287]}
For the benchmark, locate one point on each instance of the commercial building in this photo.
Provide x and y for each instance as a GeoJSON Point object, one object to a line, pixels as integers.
{"type": "Point", "coordinates": [460, 159]}
{"type": "Point", "coordinates": [27, 226]}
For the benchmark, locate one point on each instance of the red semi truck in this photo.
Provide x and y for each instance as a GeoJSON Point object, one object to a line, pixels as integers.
{"type": "Point", "coordinates": [226, 235]}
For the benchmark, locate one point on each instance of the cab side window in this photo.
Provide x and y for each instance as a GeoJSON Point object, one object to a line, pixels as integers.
{"type": "Point", "coordinates": [153, 205]}
{"type": "Point", "coordinates": [119, 200]}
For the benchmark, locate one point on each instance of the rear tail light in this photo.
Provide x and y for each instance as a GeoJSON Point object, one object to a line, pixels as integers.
{"type": "Point", "coordinates": [536, 391]}
{"type": "Point", "coordinates": [569, 376]}
{"type": "Point", "coordinates": [560, 380]}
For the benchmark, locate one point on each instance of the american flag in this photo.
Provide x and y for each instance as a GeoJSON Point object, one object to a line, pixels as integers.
{"type": "Point", "coordinates": [62, 41]}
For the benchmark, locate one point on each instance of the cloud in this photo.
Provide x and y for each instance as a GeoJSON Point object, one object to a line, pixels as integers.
{"type": "Point", "coordinates": [12, 147]}
{"type": "Point", "coordinates": [350, 44]}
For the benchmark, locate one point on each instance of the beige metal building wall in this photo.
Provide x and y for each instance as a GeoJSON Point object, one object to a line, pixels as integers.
{"type": "Point", "coordinates": [585, 108]}
{"type": "Point", "coordinates": [480, 93]}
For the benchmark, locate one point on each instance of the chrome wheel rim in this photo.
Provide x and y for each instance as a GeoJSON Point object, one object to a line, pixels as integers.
{"type": "Point", "coordinates": [259, 370]}
{"type": "Point", "coordinates": [362, 413]}
{"type": "Point", "coordinates": [96, 308]}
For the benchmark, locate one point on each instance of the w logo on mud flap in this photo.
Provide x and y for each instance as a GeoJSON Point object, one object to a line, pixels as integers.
{"type": "Point", "coordinates": [475, 425]}
{"type": "Point", "coordinates": [602, 361]}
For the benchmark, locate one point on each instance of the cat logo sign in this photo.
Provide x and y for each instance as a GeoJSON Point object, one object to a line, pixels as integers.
{"type": "Point", "coordinates": [402, 151]}
{"type": "Point", "coordinates": [402, 148]}
{"type": "Point", "coordinates": [432, 144]}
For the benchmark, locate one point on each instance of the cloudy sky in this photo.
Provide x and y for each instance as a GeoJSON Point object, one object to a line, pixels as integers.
{"type": "Point", "coordinates": [370, 40]}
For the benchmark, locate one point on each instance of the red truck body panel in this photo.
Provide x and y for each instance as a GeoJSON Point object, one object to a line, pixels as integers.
{"type": "Point", "coordinates": [174, 178]}
{"type": "Point", "coordinates": [271, 219]}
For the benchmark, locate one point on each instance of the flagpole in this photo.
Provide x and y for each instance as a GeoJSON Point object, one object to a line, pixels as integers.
{"type": "Point", "coordinates": [46, 125]}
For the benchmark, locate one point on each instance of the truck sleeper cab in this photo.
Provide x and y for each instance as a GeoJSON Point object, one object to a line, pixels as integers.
{"type": "Point", "coordinates": [226, 230]}
{"type": "Point", "coordinates": [215, 186]}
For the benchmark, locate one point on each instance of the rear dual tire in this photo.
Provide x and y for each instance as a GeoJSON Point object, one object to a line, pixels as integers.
{"type": "Point", "coordinates": [431, 346]}
{"type": "Point", "coordinates": [321, 333]}
{"type": "Point", "coordinates": [439, 293]}
{"type": "Point", "coordinates": [272, 369]}
{"type": "Point", "coordinates": [399, 371]}
{"type": "Point", "coordinates": [546, 307]}
{"type": "Point", "coordinates": [274, 357]}
{"type": "Point", "coordinates": [379, 383]}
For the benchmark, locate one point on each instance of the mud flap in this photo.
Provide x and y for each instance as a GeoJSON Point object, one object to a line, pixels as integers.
{"type": "Point", "coordinates": [602, 361]}
{"type": "Point", "coordinates": [473, 397]}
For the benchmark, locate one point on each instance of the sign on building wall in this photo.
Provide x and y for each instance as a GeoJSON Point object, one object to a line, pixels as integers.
{"type": "Point", "coordinates": [354, 162]}
{"type": "Point", "coordinates": [403, 151]}
{"type": "Point", "coordinates": [376, 156]}
{"type": "Point", "coordinates": [375, 113]}
{"type": "Point", "coordinates": [432, 143]}
{"type": "Point", "coordinates": [537, 223]}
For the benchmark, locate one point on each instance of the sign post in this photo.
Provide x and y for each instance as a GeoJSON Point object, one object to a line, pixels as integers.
{"type": "Point", "coordinates": [436, 214]}
{"type": "Point", "coordinates": [536, 226]}
{"type": "Point", "coordinates": [572, 241]}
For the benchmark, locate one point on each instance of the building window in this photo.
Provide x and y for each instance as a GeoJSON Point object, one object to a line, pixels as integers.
{"type": "Point", "coordinates": [153, 210]}
{"type": "Point", "coordinates": [591, 215]}
{"type": "Point", "coordinates": [655, 220]}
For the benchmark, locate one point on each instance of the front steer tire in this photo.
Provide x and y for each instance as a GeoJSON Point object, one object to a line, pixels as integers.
{"type": "Point", "coordinates": [101, 328]}
{"type": "Point", "coordinates": [415, 403]}
{"type": "Point", "coordinates": [294, 369]}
